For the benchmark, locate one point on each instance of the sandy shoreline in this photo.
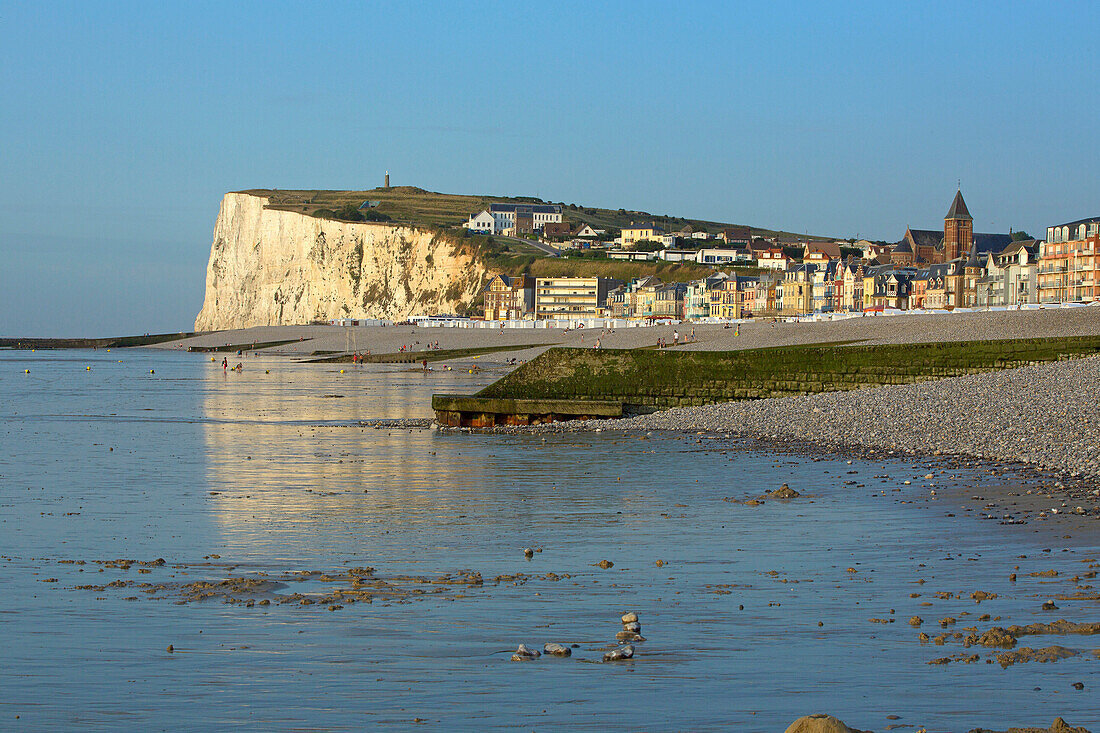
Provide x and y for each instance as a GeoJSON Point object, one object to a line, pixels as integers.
{"type": "Point", "coordinates": [306, 340]}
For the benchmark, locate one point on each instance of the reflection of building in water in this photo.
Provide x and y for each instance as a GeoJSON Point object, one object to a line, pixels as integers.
{"type": "Point", "coordinates": [273, 463]}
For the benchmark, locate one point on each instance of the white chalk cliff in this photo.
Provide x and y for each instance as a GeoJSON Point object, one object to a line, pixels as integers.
{"type": "Point", "coordinates": [270, 267]}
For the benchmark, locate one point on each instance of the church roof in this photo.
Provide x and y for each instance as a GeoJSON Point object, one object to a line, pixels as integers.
{"type": "Point", "coordinates": [991, 242]}
{"type": "Point", "coordinates": [927, 237]}
{"type": "Point", "coordinates": [958, 209]}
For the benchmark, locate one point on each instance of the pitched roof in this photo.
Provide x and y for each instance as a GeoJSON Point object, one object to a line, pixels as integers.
{"type": "Point", "coordinates": [527, 208]}
{"type": "Point", "coordinates": [1031, 245]}
{"type": "Point", "coordinates": [927, 237]}
{"type": "Point", "coordinates": [829, 249]}
{"type": "Point", "coordinates": [958, 209]}
{"type": "Point", "coordinates": [992, 242]}
{"type": "Point", "coordinates": [1078, 222]}
{"type": "Point", "coordinates": [973, 260]}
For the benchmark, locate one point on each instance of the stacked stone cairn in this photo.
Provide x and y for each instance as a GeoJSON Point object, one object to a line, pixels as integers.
{"type": "Point", "coordinates": [632, 631]}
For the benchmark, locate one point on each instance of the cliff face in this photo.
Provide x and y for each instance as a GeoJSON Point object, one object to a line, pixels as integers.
{"type": "Point", "coordinates": [270, 268]}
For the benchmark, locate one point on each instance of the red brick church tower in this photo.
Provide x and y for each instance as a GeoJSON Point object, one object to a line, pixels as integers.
{"type": "Point", "coordinates": [958, 230]}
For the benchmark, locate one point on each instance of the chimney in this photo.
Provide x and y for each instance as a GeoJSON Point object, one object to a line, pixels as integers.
{"type": "Point", "coordinates": [387, 179]}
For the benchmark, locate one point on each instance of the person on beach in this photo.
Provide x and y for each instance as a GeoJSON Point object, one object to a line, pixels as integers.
{"type": "Point", "coordinates": [675, 338]}
{"type": "Point", "coordinates": [225, 364]}
{"type": "Point", "coordinates": [693, 333]}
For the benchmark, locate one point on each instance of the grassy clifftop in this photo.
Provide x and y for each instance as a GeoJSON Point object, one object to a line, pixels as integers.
{"type": "Point", "coordinates": [429, 208]}
{"type": "Point", "coordinates": [669, 272]}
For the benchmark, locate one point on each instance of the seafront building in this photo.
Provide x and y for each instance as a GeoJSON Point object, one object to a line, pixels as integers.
{"type": "Point", "coordinates": [572, 297]}
{"type": "Point", "coordinates": [925, 270]}
{"type": "Point", "coordinates": [1069, 262]}
{"type": "Point", "coordinates": [508, 298]}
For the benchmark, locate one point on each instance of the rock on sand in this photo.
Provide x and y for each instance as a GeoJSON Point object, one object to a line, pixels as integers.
{"type": "Point", "coordinates": [819, 723]}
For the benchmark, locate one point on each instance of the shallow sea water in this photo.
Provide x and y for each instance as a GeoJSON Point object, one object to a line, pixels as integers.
{"type": "Point", "coordinates": [266, 470]}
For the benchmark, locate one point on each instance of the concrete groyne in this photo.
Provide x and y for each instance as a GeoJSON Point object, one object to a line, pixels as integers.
{"type": "Point", "coordinates": [646, 380]}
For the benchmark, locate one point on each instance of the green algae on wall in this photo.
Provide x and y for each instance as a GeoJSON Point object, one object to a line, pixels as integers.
{"type": "Point", "coordinates": [645, 379]}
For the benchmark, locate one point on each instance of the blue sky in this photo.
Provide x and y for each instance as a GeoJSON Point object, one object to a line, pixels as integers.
{"type": "Point", "coordinates": [124, 123]}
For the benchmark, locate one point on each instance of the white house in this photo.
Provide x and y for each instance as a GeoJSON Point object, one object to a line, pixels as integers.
{"type": "Point", "coordinates": [630, 254]}
{"type": "Point", "coordinates": [587, 232]}
{"type": "Point", "coordinates": [772, 259]}
{"type": "Point", "coordinates": [520, 217]}
{"type": "Point", "coordinates": [482, 222]}
{"type": "Point", "coordinates": [722, 256]}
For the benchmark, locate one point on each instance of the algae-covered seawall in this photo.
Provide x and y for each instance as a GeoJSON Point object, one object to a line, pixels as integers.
{"type": "Point", "coordinates": [646, 379]}
{"type": "Point", "coordinates": [269, 267]}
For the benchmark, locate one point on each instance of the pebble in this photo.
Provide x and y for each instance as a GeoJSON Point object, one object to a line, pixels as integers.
{"type": "Point", "coordinates": [615, 655]}
{"type": "Point", "coordinates": [606, 564]}
{"type": "Point", "coordinates": [630, 618]}
{"type": "Point", "coordinates": [557, 650]}
{"type": "Point", "coordinates": [629, 636]}
{"type": "Point", "coordinates": [525, 653]}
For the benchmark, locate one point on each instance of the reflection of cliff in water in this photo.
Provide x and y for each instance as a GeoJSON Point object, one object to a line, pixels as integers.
{"type": "Point", "coordinates": [275, 461]}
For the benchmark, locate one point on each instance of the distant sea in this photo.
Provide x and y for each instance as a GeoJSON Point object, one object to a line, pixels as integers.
{"type": "Point", "coordinates": [752, 616]}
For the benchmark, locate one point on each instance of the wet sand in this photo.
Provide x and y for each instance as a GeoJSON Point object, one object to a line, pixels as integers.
{"type": "Point", "coordinates": [748, 611]}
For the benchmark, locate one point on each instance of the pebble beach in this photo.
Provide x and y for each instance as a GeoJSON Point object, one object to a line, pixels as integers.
{"type": "Point", "coordinates": [1045, 415]}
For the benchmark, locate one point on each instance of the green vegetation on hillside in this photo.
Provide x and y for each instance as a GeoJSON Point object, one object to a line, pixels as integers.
{"type": "Point", "coordinates": [618, 269]}
{"type": "Point", "coordinates": [427, 208]}
{"type": "Point", "coordinates": [505, 257]}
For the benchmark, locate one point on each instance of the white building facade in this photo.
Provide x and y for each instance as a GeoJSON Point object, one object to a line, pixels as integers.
{"type": "Point", "coordinates": [506, 215]}
{"type": "Point", "coordinates": [482, 222]}
{"type": "Point", "coordinates": [503, 218]}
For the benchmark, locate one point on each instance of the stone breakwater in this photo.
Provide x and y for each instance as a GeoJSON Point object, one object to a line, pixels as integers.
{"type": "Point", "coordinates": [1046, 415]}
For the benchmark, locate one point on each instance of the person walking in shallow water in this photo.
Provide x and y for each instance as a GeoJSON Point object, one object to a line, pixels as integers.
{"type": "Point", "coordinates": [225, 364]}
